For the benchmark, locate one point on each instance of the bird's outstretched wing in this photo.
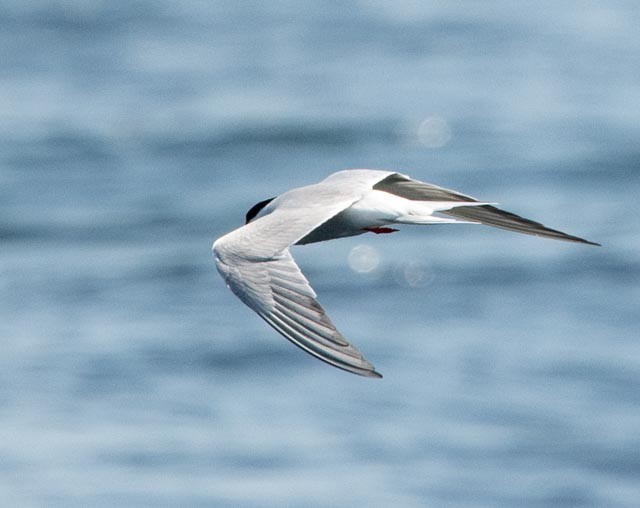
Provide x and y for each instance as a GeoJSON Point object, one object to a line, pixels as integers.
{"type": "Point", "coordinates": [405, 187]}
{"type": "Point", "coordinates": [281, 295]}
{"type": "Point", "coordinates": [257, 266]}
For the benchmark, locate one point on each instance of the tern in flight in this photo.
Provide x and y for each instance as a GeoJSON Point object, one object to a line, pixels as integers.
{"type": "Point", "coordinates": [256, 264]}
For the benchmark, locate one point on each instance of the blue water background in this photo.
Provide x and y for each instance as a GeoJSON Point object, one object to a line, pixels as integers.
{"type": "Point", "coordinates": [134, 133]}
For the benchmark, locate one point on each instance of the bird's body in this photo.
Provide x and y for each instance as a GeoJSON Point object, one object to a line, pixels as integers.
{"type": "Point", "coordinates": [257, 266]}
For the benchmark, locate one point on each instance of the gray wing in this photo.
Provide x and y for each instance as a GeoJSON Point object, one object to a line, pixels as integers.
{"type": "Point", "coordinates": [405, 187]}
{"type": "Point", "coordinates": [257, 266]}
{"type": "Point", "coordinates": [281, 295]}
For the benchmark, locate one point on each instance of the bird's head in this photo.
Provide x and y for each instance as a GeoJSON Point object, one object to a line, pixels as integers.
{"type": "Point", "coordinates": [255, 209]}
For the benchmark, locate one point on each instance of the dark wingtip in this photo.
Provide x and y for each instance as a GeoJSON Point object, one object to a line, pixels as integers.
{"type": "Point", "coordinates": [371, 374]}
{"type": "Point", "coordinates": [579, 240]}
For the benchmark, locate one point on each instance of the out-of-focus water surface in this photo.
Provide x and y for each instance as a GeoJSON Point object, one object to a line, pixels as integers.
{"type": "Point", "coordinates": [133, 133]}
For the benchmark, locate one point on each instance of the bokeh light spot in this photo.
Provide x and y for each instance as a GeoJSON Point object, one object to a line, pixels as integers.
{"type": "Point", "coordinates": [434, 132]}
{"type": "Point", "coordinates": [414, 274]}
{"type": "Point", "coordinates": [364, 259]}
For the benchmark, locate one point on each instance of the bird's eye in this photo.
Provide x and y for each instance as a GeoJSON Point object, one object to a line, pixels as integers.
{"type": "Point", "coordinates": [255, 209]}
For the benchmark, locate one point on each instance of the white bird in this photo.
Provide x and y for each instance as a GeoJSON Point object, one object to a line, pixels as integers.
{"type": "Point", "coordinates": [256, 264]}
